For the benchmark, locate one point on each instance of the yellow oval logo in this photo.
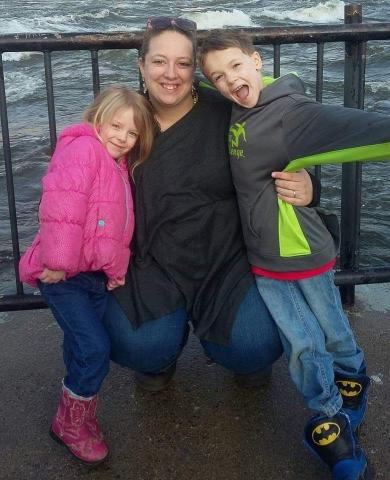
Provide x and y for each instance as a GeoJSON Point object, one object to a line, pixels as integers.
{"type": "Point", "coordinates": [347, 388]}
{"type": "Point", "coordinates": [325, 433]}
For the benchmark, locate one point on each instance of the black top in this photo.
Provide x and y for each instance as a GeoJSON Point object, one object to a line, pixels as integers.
{"type": "Point", "coordinates": [189, 250]}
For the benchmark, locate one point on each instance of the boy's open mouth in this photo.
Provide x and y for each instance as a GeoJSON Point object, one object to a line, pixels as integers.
{"type": "Point", "coordinates": [241, 92]}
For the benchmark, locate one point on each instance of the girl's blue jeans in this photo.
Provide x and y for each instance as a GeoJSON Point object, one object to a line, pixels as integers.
{"type": "Point", "coordinates": [254, 343]}
{"type": "Point", "coordinates": [316, 336]}
{"type": "Point", "coordinates": [78, 305]}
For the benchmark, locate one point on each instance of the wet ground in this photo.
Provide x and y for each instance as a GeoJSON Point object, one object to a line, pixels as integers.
{"type": "Point", "coordinates": [203, 427]}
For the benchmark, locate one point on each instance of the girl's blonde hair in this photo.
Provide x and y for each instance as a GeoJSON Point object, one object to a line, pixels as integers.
{"type": "Point", "coordinates": [108, 102]}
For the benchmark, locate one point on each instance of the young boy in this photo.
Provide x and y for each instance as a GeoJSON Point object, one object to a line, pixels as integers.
{"type": "Point", "coordinates": [292, 250]}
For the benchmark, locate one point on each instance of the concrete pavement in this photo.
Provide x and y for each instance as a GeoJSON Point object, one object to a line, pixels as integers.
{"type": "Point", "coordinates": [203, 427]}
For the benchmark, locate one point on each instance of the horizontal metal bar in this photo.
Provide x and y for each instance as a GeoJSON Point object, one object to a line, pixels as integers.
{"type": "Point", "coordinates": [319, 33]}
{"type": "Point", "coordinates": [9, 303]}
{"type": "Point", "coordinates": [362, 276]}
{"type": "Point", "coordinates": [33, 42]}
{"type": "Point", "coordinates": [28, 42]}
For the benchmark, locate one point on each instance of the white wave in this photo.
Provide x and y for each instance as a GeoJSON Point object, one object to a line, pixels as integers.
{"type": "Point", "coordinates": [71, 18]}
{"type": "Point", "coordinates": [51, 24]}
{"type": "Point", "coordinates": [325, 12]}
{"type": "Point", "coordinates": [377, 86]}
{"type": "Point", "coordinates": [19, 85]}
{"type": "Point", "coordinates": [16, 26]}
{"type": "Point", "coordinates": [18, 56]}
{"type": "Point", "coordinates": [102, 14]}
{"type": "Point", "coordinates": [221, 18]}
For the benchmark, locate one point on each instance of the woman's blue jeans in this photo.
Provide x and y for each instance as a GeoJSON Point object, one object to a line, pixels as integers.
{"type": "Point", "coordinates": [78, 305]}
{"type": "Point", "coordinates": [316, 336]}
{"type": "Point", "coordinates": [254, 343]}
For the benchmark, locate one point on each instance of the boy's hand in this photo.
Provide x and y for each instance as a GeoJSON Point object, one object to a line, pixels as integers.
{"type": "Point", "coordinates": [52, 276]}
{"type": "Point", "coordinates": [295, 188]}
{"type": "Point", "coordinates": [115, 282]}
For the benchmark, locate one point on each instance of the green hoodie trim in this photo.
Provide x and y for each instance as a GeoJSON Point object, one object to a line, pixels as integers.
{"type": "Point", "coordinates": [204, 84]}
{"type": "Point", "coordinates": [268, 80]}
{"type": "Point", "coordinates": [292, 241]}
{"type": "Point", "coordinates": [366, 153]}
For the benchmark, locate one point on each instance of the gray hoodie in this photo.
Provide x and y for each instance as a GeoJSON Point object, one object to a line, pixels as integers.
{"type": "Point", "coordinates": [286, 125]}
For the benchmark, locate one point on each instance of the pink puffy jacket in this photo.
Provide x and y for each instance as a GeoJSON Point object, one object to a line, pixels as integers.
{"type": "Point", "coordinates": [86, 212]}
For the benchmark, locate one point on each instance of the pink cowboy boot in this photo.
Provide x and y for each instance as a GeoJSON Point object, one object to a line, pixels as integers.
{"type": "Point", "coordinates": [91, 421]}
{"type": "Point", "coordinates": [70, 427]}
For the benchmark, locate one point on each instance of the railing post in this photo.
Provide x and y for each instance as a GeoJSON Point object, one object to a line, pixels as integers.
{"type": "Point", "coordinates": [95, 72]}
{"type": "Point", "coordinates": [351, 173]}
{"type": "Point", "coordinates": [9, 178]}
{"type": "Point", "coordinates": [50, 100]}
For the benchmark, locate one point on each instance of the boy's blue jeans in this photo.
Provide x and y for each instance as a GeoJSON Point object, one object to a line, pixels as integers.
{"type": "Point", "coordinates": [78, 305]}
{"type": "Point", "coordinates": [151, 348]}
{"type": "Point", "coordinates": [316, 336]}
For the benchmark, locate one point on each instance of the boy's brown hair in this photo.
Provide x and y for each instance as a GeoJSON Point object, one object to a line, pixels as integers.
{"type": "Point", "coordinates": [221, 39]}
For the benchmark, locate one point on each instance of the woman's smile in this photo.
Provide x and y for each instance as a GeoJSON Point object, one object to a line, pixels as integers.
{"type": "Point", "coordinates": [168, 70]}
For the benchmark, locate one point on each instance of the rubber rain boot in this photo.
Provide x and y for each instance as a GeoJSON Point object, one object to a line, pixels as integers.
{"type": "Point", "coordinates": [333, 441]}
{"type": "Point", "coordinates": [355, 393]}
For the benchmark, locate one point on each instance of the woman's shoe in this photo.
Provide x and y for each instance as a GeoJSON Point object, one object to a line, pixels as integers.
{"type": "Point", "coordinates": [155, 382]}
{"type": "Point", "coordinates": [260, 378]}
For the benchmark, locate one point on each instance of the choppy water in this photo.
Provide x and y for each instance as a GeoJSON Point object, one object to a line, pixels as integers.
{"type": "Point", "coordinates": [26, 95]}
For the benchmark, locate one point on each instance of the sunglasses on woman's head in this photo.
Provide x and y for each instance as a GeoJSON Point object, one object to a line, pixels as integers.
{"type": "Point", "coordinates": [162, 23]}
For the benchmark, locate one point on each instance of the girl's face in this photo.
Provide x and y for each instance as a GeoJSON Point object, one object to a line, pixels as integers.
{"type": "Point", "coordinates": [168, 70]}
{"type": "Point", "coordinates": [120, 134]}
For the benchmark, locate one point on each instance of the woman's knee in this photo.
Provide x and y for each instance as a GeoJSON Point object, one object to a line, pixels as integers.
{"type": "Point", "coordinates": [255, 336]}
{"type": "Point", "coordinates": [254, 342]}
{"type": "Point", "coordinates": [151, 347]}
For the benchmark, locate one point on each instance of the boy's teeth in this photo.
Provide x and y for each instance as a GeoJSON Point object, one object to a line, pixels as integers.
{"type": "Point", "coordinates": [242, 92]}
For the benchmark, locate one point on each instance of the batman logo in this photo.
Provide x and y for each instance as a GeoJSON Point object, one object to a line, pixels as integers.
{"type": "Point", "coordinates": [349, 388]}
{"type": "Point", "coordinates": [325, 433]}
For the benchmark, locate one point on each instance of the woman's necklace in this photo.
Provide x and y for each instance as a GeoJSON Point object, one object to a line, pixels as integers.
{"type": "Point", "coordinates": [161, 126]}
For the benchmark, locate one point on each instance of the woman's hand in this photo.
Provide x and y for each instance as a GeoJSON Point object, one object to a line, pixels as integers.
{"type": "Point", "coordinates": [295, 188]}
{"type": "Point", "coordinates": [52, 276]}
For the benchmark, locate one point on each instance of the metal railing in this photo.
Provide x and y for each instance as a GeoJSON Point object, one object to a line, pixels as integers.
{"type": "Point", "coordinates": [353, 34]}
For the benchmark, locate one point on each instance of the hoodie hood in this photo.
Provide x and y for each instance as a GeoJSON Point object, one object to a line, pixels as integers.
{"type": "Point", "coordinates": [72, 132]}
{"type": "Point", "coordinates": [281, 87]}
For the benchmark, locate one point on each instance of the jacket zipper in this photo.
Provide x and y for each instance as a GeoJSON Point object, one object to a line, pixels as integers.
{"type": "Point", "coordinates": [126, 196]}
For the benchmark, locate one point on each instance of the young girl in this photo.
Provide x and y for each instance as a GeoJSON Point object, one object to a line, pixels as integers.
{"type": "Point", "coordinates": [82, 249]}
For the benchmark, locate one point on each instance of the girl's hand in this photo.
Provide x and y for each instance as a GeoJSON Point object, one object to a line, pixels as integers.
{"type": "Point", "coordinates": [295, 188]}
{"type": "Point", "coordinates": [52, 276]}
{"type": "Point", "coordinates": [115, 282]}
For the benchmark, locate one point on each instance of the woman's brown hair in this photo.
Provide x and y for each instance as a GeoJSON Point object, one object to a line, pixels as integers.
{"type": "Point", "coordinates": [151, 32]}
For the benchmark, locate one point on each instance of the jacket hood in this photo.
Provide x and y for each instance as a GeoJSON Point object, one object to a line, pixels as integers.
{"type": "Point", "coordinates": [280, 87]}
{"type": "Point", "coordinates": [72, 132]}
